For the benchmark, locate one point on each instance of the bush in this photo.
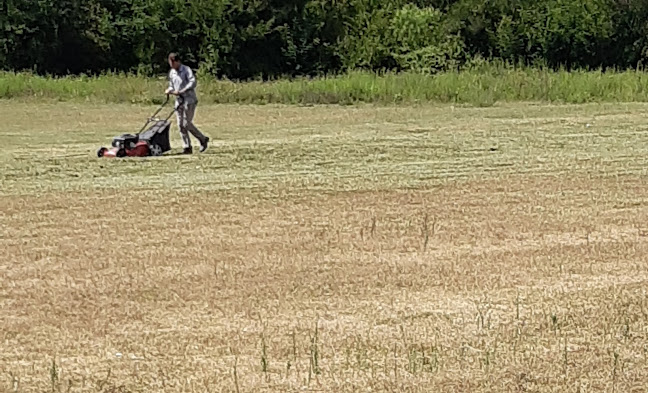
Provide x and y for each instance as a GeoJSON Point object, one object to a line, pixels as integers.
{"type": "Point", "coordinates": [418, 41]}
{"type": "Point", "coordinates": [273, 38]}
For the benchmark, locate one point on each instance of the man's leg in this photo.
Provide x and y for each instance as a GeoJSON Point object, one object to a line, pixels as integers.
{"type": "Point", "coordinates": [190, 112]}
{"type": "Point", "coordinates": [182, 125]}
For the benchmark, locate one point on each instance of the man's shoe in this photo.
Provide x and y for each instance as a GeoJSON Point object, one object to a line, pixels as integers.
{"type": "Point", "coordinates": [187, 150]}
{"type": "Point", "coordinates": [203, 146]}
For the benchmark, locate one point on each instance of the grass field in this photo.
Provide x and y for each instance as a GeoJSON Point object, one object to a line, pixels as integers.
{"type": "Point", "coordinates": [333, 249]}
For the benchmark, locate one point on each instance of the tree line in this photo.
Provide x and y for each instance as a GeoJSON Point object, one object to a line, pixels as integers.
{"type": "Point", "coordinates": [242, 39]}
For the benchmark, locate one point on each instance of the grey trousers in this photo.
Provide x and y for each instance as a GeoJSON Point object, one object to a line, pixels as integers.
{"type": "Point", "coordinates": [185, 115]}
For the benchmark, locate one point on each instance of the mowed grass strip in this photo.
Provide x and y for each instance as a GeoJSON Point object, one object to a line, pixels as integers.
{"type": "Point", "coordinates": [327, 248]}
{"type": "Point", "coordinates": [52, 147]}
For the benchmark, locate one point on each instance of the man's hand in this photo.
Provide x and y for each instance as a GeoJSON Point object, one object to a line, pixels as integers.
{"type": "Point", "coordinates": [172, 92]}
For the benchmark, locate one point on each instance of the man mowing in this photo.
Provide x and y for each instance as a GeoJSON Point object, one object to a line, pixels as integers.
{"type": "Point", "coordinates": [182, 84]}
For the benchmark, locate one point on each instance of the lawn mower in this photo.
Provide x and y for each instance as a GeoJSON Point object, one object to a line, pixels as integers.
{"type": "Point", "coordinates": [152, 142]}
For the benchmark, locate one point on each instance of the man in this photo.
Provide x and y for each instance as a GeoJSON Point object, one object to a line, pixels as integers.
{"type": "Point", "coordinates": [182, 84]}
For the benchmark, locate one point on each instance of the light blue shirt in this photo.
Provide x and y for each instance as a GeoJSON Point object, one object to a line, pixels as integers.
{"type": "Point", "coordinates": [183, 81]}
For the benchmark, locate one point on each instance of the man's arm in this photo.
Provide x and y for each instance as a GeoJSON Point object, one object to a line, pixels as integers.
{"type": "Point", "coordinates": [191, 81]}
{"type": "Point", "coordinates": [170, 88]}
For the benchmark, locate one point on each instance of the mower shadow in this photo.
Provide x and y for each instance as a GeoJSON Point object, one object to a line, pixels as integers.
{"type": "Point", "coordinates": [174, 154]}
{"type": "Point", "coordinates": [179, 153]}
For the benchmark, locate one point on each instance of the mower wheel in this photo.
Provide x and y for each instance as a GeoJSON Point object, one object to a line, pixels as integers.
{"type": "Point", "coordinates": [121, 153]}
{"type": "Point", "coordinates": [101, 152]}
{"type": "Point", "coordinates": [155, 150]}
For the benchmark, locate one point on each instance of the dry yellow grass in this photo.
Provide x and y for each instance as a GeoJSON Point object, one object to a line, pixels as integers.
{"type": "Point", "coordinates": [330, 249]}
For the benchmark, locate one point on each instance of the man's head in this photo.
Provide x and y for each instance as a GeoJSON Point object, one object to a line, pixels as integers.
{"type": "Point", "coordinates": [174, 61]}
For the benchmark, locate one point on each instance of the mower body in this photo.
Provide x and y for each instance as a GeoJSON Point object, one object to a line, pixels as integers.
{"type": "Point", "coordinates": [139, 149]}
{"type": "Point", "coordinates": [152, 142]}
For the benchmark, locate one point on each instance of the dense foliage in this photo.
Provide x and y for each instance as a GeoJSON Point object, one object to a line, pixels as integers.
{"type": "Point", "coordinates": [270, 38]}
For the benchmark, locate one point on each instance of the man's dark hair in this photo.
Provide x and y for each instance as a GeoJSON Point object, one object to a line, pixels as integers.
{"type": "Point", "coordinates": [174, 56]}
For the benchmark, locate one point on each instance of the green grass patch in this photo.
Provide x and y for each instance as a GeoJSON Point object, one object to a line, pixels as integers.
{"type": "Point", "coordinates": [482, 85]}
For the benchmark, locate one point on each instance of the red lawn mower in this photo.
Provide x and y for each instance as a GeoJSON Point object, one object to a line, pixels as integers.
{"type": "Point", "coordinates": [152, 142]}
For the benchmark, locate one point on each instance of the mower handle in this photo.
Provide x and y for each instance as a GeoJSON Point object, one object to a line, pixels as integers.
{"type": "Point", "coordinates": [153, 117]}
{"type": "Point", "coordinates": [160, 108]}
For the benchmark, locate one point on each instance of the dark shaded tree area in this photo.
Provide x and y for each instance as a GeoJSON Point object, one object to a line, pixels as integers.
{"type": "Point", "coordinates": [270, 38]}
